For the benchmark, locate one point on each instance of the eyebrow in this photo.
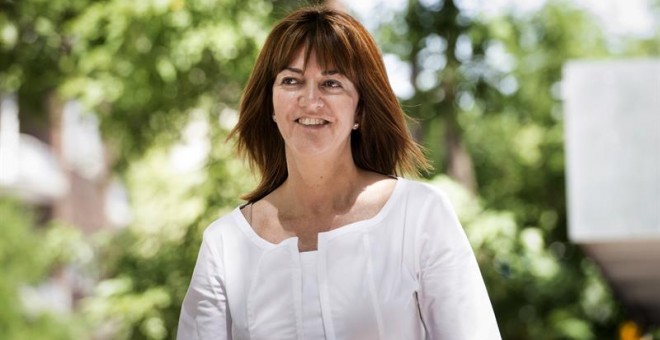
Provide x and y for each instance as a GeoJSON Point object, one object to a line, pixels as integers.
{"type": "Point", "coordinates": [299, 71]}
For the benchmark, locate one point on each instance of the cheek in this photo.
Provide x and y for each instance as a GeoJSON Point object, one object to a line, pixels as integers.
{"type": "Point", "coordinates": [350, 106]}
{"type": "Point", "coordinates": [282, 102]}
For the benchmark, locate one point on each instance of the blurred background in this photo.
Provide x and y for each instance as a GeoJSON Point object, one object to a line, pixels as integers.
{"type": "Point", "coordinates": [542, 119]}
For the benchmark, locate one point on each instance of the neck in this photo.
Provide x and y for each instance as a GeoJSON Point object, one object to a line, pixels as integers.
{"type": "Point", "coordinates": [320, 185]}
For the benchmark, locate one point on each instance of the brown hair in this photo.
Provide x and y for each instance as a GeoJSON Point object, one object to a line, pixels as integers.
{"type": "Point", "coordinates": [382, 143]}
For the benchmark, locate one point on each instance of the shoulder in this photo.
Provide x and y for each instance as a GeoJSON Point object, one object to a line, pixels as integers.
{"type": "Point", "coordinates": [419, 186]}
{"type": "Point", "coordinates": [226, 223]}
{"type": "Point", "coordinates": [421, 192]}
{"type": "Point", "coordinates": [427, 204]}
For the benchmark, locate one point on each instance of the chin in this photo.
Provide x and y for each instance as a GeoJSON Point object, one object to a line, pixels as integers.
{"type": "Point", "coordinates": [314, 151]}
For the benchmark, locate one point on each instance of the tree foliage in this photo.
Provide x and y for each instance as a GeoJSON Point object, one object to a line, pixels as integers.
{"type": "Point", "coordinates": [147, 69]}
{"type": "Point", "coordinates": [494, 82]}
{"type": "Point", "coordinates": [27, 258]}
{"type": "Point", "coordinates": [142, 66]}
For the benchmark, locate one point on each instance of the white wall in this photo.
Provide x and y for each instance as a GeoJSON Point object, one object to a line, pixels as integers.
{"type": "Point", "coordinates": [612, 131]}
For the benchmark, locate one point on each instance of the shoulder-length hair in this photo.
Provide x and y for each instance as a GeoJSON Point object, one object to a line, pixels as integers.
{"type": "Point", "coordinates": [382, 143]}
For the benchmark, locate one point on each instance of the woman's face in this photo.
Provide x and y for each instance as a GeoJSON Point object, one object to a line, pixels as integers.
{"type": "Point", "coordinates": [314, 108]}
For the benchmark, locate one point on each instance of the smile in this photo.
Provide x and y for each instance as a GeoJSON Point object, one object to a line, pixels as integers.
{"type": "Point", "coordinates": [311, 121]}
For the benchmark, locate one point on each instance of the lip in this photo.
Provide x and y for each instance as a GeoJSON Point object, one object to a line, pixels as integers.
{"type": "Point", "coordinates": [312, 122]}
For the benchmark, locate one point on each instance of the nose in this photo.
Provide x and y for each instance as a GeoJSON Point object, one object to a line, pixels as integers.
{"type": "Point", "coordinates": [310, 98]}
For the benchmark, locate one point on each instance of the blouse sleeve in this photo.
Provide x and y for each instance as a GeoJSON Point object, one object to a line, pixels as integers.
{"type": "Point", "coordinates": [453, 300]}
{"type": "Point", "coordinates": [205, 312]}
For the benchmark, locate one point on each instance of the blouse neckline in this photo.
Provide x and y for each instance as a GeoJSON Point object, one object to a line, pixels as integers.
{"type": "Point", "coordinates": [324, 236]}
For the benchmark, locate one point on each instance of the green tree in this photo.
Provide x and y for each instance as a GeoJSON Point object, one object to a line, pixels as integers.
{"type": "Point", "coordinates": [147, 69]}
{"type": "Point", "coordinates": [142, 66]}
{"type": "Point", "coordinates": [488, 107]}
{"type": "Point", "coordinates": [27, 257]}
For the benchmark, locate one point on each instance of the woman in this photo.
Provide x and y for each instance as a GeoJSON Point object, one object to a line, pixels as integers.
{"type": "Point", "coordinates": [330, 244]}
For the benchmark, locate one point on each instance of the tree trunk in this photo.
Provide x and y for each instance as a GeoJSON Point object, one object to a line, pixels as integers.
{"type": "Point", "coordinates": [459, 161]}
{"type": "Point", "coordinates": [84, 205]}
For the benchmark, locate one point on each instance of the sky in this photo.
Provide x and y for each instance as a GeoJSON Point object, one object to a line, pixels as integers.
{"type": "Point", "coordinates": [617, 16]}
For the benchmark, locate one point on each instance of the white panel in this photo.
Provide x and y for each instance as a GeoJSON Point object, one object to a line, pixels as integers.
{"type": "Point", "coordinates": [612, 130]}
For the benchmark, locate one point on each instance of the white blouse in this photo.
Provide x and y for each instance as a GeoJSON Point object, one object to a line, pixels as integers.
{"type": "Point", "coordinates": [311, 298]}
{"type": "Point", "coordinates": [406, 273]}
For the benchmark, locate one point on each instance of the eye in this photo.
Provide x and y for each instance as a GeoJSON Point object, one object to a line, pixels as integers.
{"type": "Point", "coordinates": [331, 83]}
{"type": "Point", "coordinates": [289, 81]}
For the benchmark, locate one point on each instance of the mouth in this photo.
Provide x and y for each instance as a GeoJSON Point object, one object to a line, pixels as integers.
{"type": "Point", "coordinates": [312, 121]}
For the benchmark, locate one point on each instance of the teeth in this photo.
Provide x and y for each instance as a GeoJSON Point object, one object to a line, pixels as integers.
{"type": "Point", "coordinates": [311, 121]}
